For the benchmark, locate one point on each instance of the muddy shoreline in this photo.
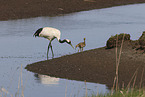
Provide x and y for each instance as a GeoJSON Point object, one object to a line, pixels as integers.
{"type": "Point", "coordinates": [19, 9]}
{"type": "Point", "coordinates": [97, 65]}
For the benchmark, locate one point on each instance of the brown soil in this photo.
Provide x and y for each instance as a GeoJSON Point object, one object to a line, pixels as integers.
{"type": "Point", "coordinates": [17, 9]}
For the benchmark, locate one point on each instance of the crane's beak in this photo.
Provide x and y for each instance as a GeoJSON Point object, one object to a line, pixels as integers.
{"type": "Point", "coordinates": [72, 46]}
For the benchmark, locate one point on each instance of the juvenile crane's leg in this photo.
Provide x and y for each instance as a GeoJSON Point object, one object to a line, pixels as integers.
{"type": "Point", "coordinates": [80, 49]}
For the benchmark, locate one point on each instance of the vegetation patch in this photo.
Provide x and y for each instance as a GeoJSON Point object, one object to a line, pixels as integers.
{"type": "Point", "coordinates": [142, 41]}
{"type": "Point", "coordinates": [117, 39]}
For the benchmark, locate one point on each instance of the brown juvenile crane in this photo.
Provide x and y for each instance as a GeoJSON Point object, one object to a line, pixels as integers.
{"type": "Point", "coordinates": [81, 45]}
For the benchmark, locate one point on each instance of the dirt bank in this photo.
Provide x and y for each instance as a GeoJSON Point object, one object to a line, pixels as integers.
{"type": "Point", "coordinates": [18, 9]}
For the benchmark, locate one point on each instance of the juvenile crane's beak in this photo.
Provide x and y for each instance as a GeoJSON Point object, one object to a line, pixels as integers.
{"type": "Point", "coordinates": [72, 46]}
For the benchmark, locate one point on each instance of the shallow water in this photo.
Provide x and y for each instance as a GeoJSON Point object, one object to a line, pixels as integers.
{"type": "Point", "coordinates": [18, 46]}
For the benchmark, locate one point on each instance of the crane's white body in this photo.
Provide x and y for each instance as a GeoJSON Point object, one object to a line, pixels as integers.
{"type": "Point", "coordinates": [50, 33]}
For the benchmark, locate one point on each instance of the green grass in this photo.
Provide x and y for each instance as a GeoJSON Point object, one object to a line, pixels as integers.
{"type": "Point", "coordinates": [126, 93]}
{"type": "Point", "coordinates": [123, 93]}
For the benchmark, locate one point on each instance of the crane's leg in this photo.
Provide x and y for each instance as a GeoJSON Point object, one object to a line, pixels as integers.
{"type": "Point", "coordinates": [80, 49]}
{"type": "Point", "coordinates": [48, 49]}
{"type": "Point", "coordinates": [52, 51]}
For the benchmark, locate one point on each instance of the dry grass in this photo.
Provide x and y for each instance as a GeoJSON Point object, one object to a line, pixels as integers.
{"type": "Point", "coordinates": [130, 89]}
{"type": "Point", "coordinates": [117, 64]}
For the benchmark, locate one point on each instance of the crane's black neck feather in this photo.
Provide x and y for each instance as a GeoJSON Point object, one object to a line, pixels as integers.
{"type": "Point", "coordinates": [62, 41]}
{"type": "Point", "coordinates": [38, 32]}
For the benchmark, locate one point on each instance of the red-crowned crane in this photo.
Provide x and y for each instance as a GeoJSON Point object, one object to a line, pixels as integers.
{"type": "Point", "coordinates": [50, 34]}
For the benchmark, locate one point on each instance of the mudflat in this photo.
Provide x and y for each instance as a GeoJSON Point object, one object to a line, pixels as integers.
{"type": "Point", "coordinates": [18, 9]}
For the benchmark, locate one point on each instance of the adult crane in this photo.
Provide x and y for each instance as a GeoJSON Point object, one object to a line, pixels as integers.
{"type": "Point", "coordinates": [50, 34]}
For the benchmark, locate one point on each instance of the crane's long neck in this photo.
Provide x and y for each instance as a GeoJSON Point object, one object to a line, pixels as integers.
{"type": "Point", "coordinates": [67, 41]}
{"type": "Point", "coordinates": [84, 41]}
{"type": "Point", "coordinates": [62, 41]}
